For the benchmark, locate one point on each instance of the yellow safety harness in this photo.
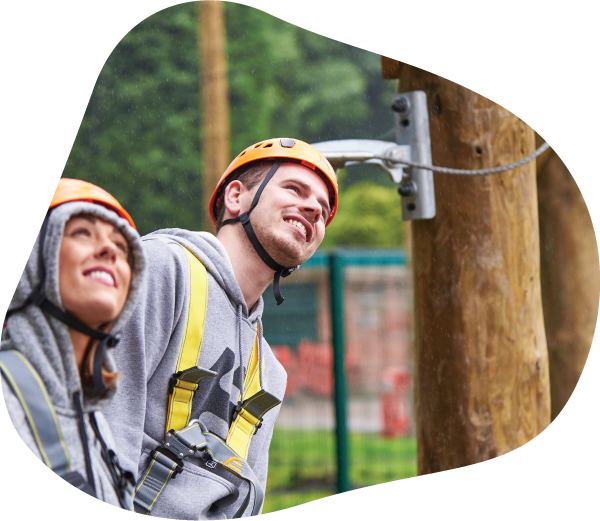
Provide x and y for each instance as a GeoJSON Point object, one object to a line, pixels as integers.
{"type": "Point", "coordinates": [184, 438]}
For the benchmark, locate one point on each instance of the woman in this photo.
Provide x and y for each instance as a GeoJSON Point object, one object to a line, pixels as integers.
{"type": "Point", "coordinates": [77, 291]}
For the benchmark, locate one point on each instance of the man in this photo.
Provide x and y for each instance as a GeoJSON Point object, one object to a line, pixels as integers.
{"type": "Point", "coordinates": [197, 432]}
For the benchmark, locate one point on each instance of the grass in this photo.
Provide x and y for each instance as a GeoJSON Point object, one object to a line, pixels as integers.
{"type": "Point", "coordinates": [302, 464]}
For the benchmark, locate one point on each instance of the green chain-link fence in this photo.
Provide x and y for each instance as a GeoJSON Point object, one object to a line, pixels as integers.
{"type": "Point", "coordinates": [308, 458]}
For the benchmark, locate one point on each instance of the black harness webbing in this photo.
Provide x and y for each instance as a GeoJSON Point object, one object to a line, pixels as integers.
{"type": "Point", "coordinates": [244, 218]}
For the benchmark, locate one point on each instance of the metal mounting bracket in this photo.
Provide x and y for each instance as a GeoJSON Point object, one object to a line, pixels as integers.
{"type": "Point", "coordinates": [411, 122]}
{"type": "Point", "coordinates": [346, 152]}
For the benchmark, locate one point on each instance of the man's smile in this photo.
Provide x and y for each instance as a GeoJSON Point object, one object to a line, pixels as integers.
{"type": "Point", "coordinates": [301, 225]}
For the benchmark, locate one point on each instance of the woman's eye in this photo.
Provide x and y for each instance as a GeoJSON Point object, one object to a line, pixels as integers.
{"type": "Point", "coordinates": [122, 246]}
{"type": "Point", "coordinates": [82, 231]}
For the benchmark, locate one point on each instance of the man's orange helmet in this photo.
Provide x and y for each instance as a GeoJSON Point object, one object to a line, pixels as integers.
{"type": "Point", "coordinates": [76, 190]}
{"type": "Point", "coordinates": [286, 150]}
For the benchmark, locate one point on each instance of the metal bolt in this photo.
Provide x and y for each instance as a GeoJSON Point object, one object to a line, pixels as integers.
{"type": "Point", "coordinates": [406, 190]}
{"type": "Point", "coordinates": [400, 105]}
{"type": "Point", "coordinates": [191, 451]}
{"type": "Point", "coordinates": [181, 454]}
{"type": "Point", "coordinates": [167, 444]}
{"type": "Point", "coordinates": [168, 434]}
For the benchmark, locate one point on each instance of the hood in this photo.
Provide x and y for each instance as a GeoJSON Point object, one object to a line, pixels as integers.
{"type": "Point", "coordinates": [216, 260]}
{"type": "Point", "coordinates": [42, 339]}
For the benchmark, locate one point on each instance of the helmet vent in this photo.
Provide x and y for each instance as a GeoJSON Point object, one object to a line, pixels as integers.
{"type": "Point", "coordinates": [258, 144]}
{"type": "Point", "coordinates": [242, 153]}
{"type": "Point", "coordinates": [268, 145]}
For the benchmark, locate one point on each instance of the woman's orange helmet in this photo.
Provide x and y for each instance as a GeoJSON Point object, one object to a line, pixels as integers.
{"type": "Point", "coordinates": [69, 190]}
{"type": "Point", "coordinates": [288, 151]}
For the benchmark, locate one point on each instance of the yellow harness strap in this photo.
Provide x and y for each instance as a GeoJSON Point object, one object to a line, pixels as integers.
{"type": "Point", "coordinates": [184, 383]}
{"type": "Point", "coordinates": [250, 412]}
{"type": "Point", "coordinates": [187, 376]}
{"type": "Point", "coordinates": [231, 455]}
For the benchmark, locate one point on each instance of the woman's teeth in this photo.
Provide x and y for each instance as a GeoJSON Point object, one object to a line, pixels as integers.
{"type": "Point", "coordinates": [102, 276]}
{"type": "Point", "coordinates": [298, 225]}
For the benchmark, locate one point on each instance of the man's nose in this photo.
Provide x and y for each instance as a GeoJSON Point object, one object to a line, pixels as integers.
{"type": "Point", "coordinates": [313, 208]}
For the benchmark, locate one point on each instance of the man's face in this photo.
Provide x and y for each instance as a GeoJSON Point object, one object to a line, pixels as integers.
{"type": "Point", "coordinates": [289, 220]}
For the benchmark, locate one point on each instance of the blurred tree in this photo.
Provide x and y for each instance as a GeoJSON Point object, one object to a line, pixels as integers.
{"type": "Point", "coordinates": [140, 135]}
{"type": "Point", "coordinates": [289, 80]}
{"type": "Point", "coordinates": [368, 215]}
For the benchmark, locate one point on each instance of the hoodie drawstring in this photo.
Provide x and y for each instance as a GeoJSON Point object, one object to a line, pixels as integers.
{"type": "Point", "coordinates": [260, 338]}
{"type": "Point", "coordinates": [242, 368]}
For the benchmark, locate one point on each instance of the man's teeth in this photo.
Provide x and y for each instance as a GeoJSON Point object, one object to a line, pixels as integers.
{"type": "Point", "coordinates": [102, 275]}
{"type": "Point", "coordinates": [298, 225]}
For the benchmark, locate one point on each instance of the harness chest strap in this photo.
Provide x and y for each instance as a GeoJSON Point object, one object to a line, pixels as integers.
{"type": "Point", "coordinates": [231, 455]}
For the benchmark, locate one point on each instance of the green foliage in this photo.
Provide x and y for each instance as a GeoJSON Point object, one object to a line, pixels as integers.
{"type": "Point", "coordinates": [275, 501]}
{"type": "Point", "coordinates": [291, 82]}
{"type": "Point", "coordinates": [302, 464]}
{"type": "Point", "coordinates": [140, 135]}
{"type": "Point", "coordinates": [368, 215]}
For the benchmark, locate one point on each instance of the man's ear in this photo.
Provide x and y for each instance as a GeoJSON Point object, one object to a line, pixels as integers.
{"type": "Point", "coordinates": [232, 199]}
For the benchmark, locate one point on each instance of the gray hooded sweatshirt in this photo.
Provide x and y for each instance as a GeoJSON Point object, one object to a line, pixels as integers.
{"type": "Point", "coordinates": [148, 358]}
{"type": "Point", "coordinates": [46, 344]}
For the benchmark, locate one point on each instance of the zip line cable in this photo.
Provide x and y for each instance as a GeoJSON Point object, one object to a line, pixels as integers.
{"type": "Point", "coordinates": [456, 171]}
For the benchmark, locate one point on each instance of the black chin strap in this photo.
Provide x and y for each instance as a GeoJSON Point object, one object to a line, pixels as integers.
{"type": "Point", "coordinates": [38, 298]}
{"type": "Point", "coordinates": [244, 218]}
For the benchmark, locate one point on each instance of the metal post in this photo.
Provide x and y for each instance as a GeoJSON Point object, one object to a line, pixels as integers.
{"type": "Point", "coordinates": [336, 280]}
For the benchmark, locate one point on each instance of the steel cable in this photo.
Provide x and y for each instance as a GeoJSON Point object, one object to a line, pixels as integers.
{"type": "Point", "coordinates": [456, 171]}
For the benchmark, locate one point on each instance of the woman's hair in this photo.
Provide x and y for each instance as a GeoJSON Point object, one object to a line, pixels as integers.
{"type": "Point", "coordinates": [87, 374]}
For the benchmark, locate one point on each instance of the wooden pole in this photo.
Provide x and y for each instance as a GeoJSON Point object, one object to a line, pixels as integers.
{"type": "Point", "coordinates": [215, 98]}
{"type": "Point", "coordinates": [481, 356]}
{"type": "Point", "coordinates": [569, 273]}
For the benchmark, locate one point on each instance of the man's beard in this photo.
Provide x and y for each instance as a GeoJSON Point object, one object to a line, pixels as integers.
{"type": "Point", "coordinates": [283, 250]}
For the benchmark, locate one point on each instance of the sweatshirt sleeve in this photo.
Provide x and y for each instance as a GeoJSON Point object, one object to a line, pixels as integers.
{"type": "Point", "coordinates": [143, 343]}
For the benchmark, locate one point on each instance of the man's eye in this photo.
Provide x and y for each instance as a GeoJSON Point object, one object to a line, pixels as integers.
{"type": "Point", "coordinates": [294, 188]}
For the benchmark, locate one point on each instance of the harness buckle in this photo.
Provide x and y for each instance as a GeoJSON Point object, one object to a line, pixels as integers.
{"type": "Point", "coordinates": [288, 271]}
{"type": "Point", "coordinates": [236, 410]}
{"type": "Point", "coordinates": [173, 381]}
{"type": "Point", "coordinates": [191, 376]}
{"type": "Point", "coordinates": [167, 452]}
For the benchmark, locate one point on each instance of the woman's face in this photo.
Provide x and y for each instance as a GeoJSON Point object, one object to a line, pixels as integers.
{"type": "Point", "coordinates": [94, 272]}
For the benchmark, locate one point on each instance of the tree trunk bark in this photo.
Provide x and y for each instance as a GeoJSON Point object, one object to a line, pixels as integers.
{"type": "Point", "coordinates": [481, 356]}
{"type": "Point", "coordinates": [570, 275]}
{"type": "Point", "coordinates": [215, 98]}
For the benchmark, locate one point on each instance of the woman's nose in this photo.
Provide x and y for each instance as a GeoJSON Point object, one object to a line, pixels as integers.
{"type": "Point", "coordinates": [107, 249]}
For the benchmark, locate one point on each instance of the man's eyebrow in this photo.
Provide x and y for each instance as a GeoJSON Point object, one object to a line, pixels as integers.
{"type": "Point", "coordinates": [322, 201]}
